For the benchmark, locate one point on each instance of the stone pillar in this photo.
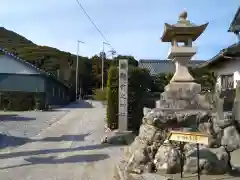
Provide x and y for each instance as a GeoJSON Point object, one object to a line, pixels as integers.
{"type": "Point", "coordinates": [123, 95]}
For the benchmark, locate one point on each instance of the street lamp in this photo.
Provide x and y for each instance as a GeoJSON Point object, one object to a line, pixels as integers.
{"type": "Point", "coordinates": [103, 54]}
{"type": "Point", "coordinates": [78, 42]}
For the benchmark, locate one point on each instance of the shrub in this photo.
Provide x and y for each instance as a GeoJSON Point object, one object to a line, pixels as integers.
{"type": "Point", "coordinates": [100, 95]}
{"type": "Point", "coordinates": [21, 101]}
{"type": "Point", "coordinates": [38, 102]}
{"type": "Point", "coordinates": [138, 84]}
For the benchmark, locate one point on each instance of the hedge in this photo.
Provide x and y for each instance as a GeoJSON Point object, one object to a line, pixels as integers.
{"type": "Point", "coordinates": [21, 101]}
{"type": "Point", "coordinates": [138, 85]}
{"type": "Point", "coordinates": [112, 98]}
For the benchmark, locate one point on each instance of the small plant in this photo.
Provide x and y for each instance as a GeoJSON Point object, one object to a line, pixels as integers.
{"type": "Point", "coordinates": [37, 100]}
{"type": "Point", "coordinates": [100, 94]}
{"type": "Point", "coordinates": [10, 104]}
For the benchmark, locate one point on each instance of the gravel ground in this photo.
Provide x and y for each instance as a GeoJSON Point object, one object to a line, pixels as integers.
{"type": "Point", "coordinates": [28, 123]}
{"type": "Point", "coordinates": [69, 150]}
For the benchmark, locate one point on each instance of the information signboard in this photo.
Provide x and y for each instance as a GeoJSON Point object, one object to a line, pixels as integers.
{"type": "Point", "coordinates": [189, 137]}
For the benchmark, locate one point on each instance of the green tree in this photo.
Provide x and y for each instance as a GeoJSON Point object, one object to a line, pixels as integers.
{"type": "Point", "coordinates": [131, 60]}
{"type": "Point", "coordinates": [204, 77]}
{"type": "Point", "coordinates": [160, 81]}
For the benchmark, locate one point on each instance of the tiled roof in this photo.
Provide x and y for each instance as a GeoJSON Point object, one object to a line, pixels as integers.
{"type": "Point", "coordinates": [163, 66]}
{"type": "Point", "coordinates": [30, 65]}
{"type": "Point", "coordinates": [235, 22]}
{"type": "Point", "coordinates": [230, 51]}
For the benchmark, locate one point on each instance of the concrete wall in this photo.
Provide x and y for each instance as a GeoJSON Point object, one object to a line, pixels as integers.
{"type": "Point", "coordinates": [56, 93]}
{"type": "Point", "coordinates": [227, 68]}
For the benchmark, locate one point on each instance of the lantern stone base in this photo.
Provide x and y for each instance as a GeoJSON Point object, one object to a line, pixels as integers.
{"type": "Point", "coordinates": [179, 96]}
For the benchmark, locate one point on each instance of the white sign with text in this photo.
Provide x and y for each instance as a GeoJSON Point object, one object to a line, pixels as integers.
{"type": "Point", "coordinates": [123, 95]}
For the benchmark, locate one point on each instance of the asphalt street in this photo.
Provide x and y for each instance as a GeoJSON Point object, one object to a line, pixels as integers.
{"type": "Point", "coordinates": [69, 149]}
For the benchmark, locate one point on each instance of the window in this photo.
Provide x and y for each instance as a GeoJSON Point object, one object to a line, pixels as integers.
{"type": "Point", "coordinates": [227, 81]}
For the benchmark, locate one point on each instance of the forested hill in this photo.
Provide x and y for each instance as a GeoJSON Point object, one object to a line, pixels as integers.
{"type": "Point", "coordinates": [59, 63]}
{"type": "Point", "coordinates": [44, 57]}
{"type": "Point", "coordinates": [62, 64]}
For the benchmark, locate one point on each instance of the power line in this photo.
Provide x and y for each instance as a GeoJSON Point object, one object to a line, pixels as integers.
{"type": "Point", "coordinates": [85, 12]}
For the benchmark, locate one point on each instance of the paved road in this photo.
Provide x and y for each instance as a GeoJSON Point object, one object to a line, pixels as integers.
{"type": "Point", "coordinates": [69, 150]}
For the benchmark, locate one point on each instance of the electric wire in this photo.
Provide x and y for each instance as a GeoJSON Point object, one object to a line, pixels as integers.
{"type": "Point", "coordinates": [94, 24]}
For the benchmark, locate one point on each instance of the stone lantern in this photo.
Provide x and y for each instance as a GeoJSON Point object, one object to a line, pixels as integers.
{"type": "Point", "coordinates": [182, 86]}
{"type": "Point", "coordinates": [181, 36]}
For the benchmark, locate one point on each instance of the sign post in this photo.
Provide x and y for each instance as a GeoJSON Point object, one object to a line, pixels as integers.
{"type": "Point", "coordinates": [123, 95]}
{"type": "Point", "coordinates": [189, 137]}
{"type": "Point", "coordinates": [181, 158]}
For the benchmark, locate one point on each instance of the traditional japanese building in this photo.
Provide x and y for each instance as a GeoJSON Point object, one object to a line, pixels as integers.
{"type": "Point", "coordinates": [163, 66]}
{"type": "Point", "coordinates": [235, 25]}
{"type": "Point", "coordinates": [226, 64]}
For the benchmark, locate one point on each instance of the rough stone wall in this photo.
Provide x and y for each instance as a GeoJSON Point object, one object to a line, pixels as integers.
{"type": "Point", "coordinates": [151, 151]}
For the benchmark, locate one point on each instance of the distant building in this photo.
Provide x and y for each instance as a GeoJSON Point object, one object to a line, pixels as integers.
{"type": "Point", "coordinates": [163, 66]}
{"type": "Point", "coordinates": [22, 82]}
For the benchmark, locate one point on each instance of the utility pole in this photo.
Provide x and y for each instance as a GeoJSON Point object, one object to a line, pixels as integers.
{"type": "Point", "coordinates": [103, 56]}
{"type": "Point", "coordinates": [78, 42]}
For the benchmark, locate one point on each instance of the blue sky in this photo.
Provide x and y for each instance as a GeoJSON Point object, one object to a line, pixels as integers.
{"type": "Point", "coordinates": [133, 27]}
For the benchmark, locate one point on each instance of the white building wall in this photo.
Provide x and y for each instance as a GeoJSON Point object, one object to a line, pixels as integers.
{"type": "Point", "coordinates": [231, 67]}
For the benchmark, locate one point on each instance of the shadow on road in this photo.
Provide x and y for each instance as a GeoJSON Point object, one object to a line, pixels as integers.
{"type": "Point", "coordinates": [53, 160]}
{"type": "Point", "coordinates": [12, 141]}
{"type": "Point", "coordinates": [80, 104]}
{"type": "Point", "coordinates": [73, 105]}
{"type": "Point", "coordinates": [15, 117]}
{"type": "Point", "coordinates": [80, 137]}
{"type": "Point", "coordinates": [51, 151]}
{"type": "Point", "coordinates": [69, 159]}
